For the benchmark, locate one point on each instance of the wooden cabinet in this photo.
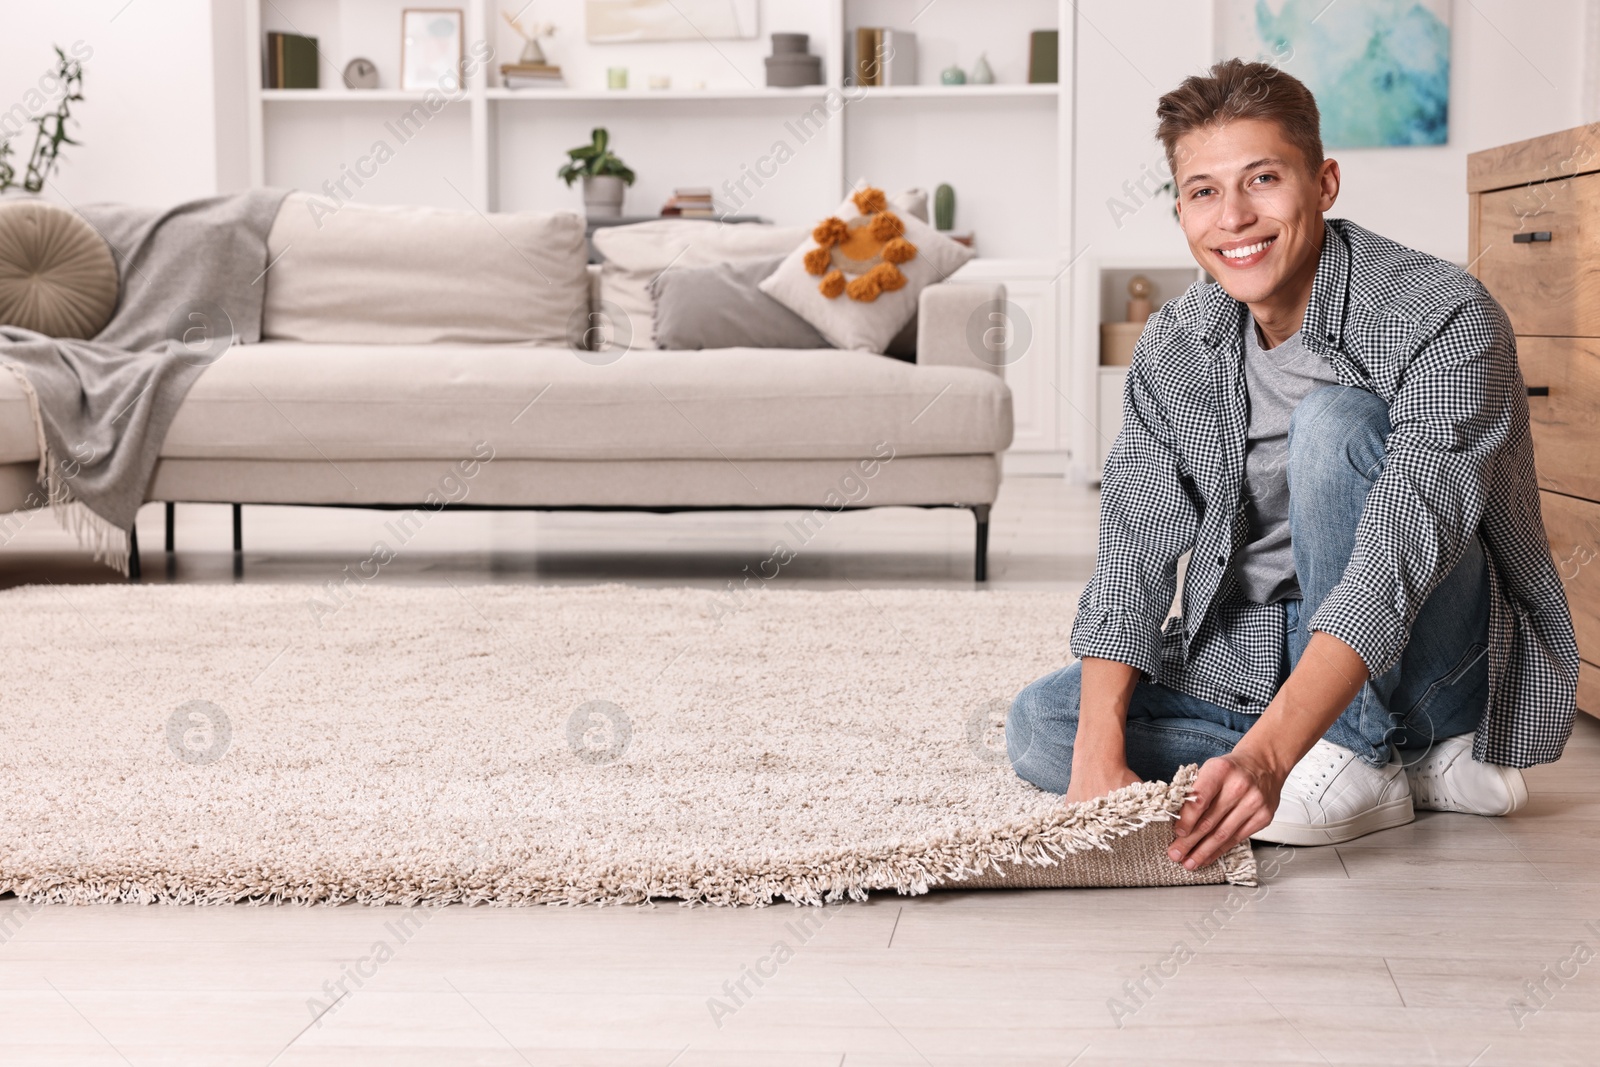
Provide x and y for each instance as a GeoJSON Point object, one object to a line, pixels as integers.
{"type": "Point", "coordinates": [1539, 253]}
{"type": "Point", "coordinates": [1563, 377]}
{"type": "Point", "coordinates": [1534, 240]}
{"type": "Point", "coordinates": [1574, 528]}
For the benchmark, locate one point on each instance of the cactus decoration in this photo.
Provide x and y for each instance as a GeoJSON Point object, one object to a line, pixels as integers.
{"type": "Point", "coordinates": [944, 208]}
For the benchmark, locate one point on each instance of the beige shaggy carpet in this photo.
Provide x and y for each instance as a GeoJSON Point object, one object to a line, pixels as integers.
{"type": "Point", "coordinates": [515, 745]}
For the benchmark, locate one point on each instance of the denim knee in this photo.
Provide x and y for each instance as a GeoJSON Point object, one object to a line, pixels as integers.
{"type": "Point", "coordinates": [1041, 727]}
{"type": "Point", "coordinates": [1336, 433]}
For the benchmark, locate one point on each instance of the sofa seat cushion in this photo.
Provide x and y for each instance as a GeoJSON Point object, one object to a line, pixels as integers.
{"type": "Point", "coordinates": [283, 400]}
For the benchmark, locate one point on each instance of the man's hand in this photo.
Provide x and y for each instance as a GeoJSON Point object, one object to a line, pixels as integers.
{"type": "Point", "coordinates": [1097, 779]}
{"type": "Point", "coordinates": [1234, 796]}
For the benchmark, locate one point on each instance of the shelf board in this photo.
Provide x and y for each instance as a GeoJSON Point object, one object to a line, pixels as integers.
{"type": "Point", "coordinates": [810, 92]}
{"type": "Point", "coordinates": [945, 92]}
{"type": "Point", "coordinates": [345, 96]}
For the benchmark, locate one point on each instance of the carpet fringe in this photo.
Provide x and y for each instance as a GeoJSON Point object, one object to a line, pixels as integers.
{"type": "Point", "coordinates": [911, 871]}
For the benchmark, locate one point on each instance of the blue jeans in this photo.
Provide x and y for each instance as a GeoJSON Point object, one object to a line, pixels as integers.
{"type": "Point", "coordinates": [1438, 689]}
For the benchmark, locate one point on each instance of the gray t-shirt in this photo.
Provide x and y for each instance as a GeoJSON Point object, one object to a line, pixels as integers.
{"type": "Point", "coordinates": [1277, 379]}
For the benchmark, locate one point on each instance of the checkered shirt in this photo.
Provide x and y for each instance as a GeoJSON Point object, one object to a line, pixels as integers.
{"type": "Point", "coordinates": [1429, 339]}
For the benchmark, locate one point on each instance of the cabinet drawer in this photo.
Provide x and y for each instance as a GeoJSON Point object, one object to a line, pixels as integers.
{"type": "Point", "coordinates": [1549, 287]}
{"type": "Point", "coordinates": [1563, 423]}
{"type": "Point", "coordinates": [1574, 529]}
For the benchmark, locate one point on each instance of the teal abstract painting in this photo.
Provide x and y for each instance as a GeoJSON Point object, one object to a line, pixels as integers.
{"type": "Point", "coordinates": [1380, 69]}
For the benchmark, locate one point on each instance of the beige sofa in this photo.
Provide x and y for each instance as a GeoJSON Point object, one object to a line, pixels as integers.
{"type": "Point", "coordinates": [402, 348]}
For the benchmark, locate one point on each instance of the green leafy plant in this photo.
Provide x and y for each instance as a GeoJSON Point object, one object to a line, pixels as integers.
{"type": "Point", "coordinates": [1170, 187]}
{"type": "Point", "coordinates": [594, 160]}
{"type": "Point", "coordinates": [51, 131]}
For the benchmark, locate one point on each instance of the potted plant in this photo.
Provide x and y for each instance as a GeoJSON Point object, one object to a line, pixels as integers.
{"type": "Point", "coordinates": [50, 135]}
{"type": "Point", "coordinates": [603, 174]}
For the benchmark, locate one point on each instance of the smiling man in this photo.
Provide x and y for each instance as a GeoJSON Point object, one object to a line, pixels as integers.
{"type": "Point", "coordinates": [1336, 433]}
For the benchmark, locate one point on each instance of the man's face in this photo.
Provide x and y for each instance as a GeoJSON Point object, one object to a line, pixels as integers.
{"type": "Point", "coordinates": [1250, 209]}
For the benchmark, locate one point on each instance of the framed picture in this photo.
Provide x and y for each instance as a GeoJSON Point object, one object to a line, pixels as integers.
{"type": "Point", "coordinates": [431, 48]}
{"type": "Point", "coordinates": [625, 21]}
{"type": "Point", "coordinates": [1380, 69]}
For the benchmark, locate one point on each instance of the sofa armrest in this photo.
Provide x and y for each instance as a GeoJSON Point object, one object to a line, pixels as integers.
{"type": "Point", "coordinates": [961, 324]}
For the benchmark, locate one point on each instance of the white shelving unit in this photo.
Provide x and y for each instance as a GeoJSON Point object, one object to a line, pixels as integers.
{"type": "Point", "coordinates": [1006, 148]}
{"type": "Point", "coordinates": [1105, 294]}
{"type": "Point", "coordinates": [540, 97]}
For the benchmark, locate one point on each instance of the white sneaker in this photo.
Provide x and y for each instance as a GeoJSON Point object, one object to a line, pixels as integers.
{"type": "Point", "coordinates": [1331, 796]}
{"type": "Point", "coordinates": [1449, 779]}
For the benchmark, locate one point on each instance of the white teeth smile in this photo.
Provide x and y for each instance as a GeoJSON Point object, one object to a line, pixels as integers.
{"type": "Point", "coordinates": [1247, 250]}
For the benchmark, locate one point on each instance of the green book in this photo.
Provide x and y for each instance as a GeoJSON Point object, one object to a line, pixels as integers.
{"type": "Point", "coordinates": [291, 61]}
{"type": "Point", "coordinates": [1043, 48]}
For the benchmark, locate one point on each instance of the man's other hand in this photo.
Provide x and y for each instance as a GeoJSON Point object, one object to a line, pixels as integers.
{"type": "Point", "coordinates": [1096, 780]}
{"type": "Point", "coordinates": [1234, 796]}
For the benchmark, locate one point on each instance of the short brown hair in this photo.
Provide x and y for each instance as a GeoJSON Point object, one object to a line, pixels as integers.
{"type": "Point", "coordinates": [1234, 89]}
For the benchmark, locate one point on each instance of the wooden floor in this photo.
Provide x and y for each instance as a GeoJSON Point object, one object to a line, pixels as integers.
{"type": "Point", "coordinates": [1456, 941]}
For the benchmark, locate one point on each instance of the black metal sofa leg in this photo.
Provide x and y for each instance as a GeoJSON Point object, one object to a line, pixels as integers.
{"type": "Point", "coordinates": [980, 569]}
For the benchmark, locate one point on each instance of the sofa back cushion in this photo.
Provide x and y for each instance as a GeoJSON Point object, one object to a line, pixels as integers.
{"type": "Point", "coordinates": [374, 274]}
{"type": "Point", "coordinates": [720, 307]}
{"type": "Point", "coordinates": [636, 255]}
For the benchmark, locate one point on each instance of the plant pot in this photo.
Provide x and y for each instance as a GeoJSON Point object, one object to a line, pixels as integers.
{"type": "Point", "coordinates": [602, 196]}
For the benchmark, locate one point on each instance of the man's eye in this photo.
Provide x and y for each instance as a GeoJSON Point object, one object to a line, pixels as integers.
{"type": "Point", "coordinates": [1198, 193]}
{"type": "Point", "coordinates": [1266, 177]}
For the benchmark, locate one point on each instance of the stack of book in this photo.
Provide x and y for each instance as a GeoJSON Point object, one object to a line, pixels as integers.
{"type": "Point", "coordinates": [531, 76]}
{"type": "Point", "coordinates": [291, 62]}
{"type": "Point", "coordinates": [885, 57]}
{"type": "Point", "coordinates": [690, 204]}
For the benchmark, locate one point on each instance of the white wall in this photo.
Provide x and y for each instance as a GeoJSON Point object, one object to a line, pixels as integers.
{"type": "Point", "coordinates": [147, 121]}
{"type": "Point", "coordinates": [162, 117]}
{"type": "Point", "coordinates": [1517, 70]}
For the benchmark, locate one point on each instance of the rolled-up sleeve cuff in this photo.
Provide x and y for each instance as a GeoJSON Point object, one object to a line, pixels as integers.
{"type": "Point", "coordinates": [1122, 636]}
{"type": "Point", "coordinates": [1363, 620]}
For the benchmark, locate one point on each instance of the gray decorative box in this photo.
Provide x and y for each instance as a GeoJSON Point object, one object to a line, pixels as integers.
{"type": "Point", "coordinates": [790, 65]}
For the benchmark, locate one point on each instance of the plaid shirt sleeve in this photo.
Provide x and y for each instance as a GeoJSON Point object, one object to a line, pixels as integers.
{"type": "Point", "coordinates": [1148, 519]}
{"type": "Point", "coordinates": [1449, 422]}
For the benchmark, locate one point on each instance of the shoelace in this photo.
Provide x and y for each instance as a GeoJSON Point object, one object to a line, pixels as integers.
{"type": "Point", "coordinates": [1308, 773]}
{"type": "Point", "coordinates": [1428, 781]}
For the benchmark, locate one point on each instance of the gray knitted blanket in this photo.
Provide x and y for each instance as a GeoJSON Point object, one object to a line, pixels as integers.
{"type": "Point", "coordinates": [192, 285]}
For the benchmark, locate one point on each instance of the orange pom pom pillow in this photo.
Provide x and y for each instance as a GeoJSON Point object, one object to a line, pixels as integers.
{"type": "Point", "coordinates": [858, 279]}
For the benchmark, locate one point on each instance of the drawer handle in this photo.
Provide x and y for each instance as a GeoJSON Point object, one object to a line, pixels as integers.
{"type": "Point", "coordinates": [1529, 238]}
{"type": "Point", "coordinates": [1538, 390]}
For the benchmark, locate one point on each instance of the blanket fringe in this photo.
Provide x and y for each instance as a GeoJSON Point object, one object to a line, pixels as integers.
{"type": "Point", "coordinates": [109, 544]}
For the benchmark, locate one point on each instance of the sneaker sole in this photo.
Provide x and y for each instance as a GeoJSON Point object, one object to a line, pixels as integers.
{"type": "Point", "coordinates": [1383, 817]}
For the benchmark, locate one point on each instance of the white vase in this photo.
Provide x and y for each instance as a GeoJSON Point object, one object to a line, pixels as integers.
{"type": "Point", "coordinates": [602, 196]}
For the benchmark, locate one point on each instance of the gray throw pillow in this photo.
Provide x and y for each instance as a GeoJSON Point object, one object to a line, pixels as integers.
{"type": "Point", "coordinates": [720, 307]}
